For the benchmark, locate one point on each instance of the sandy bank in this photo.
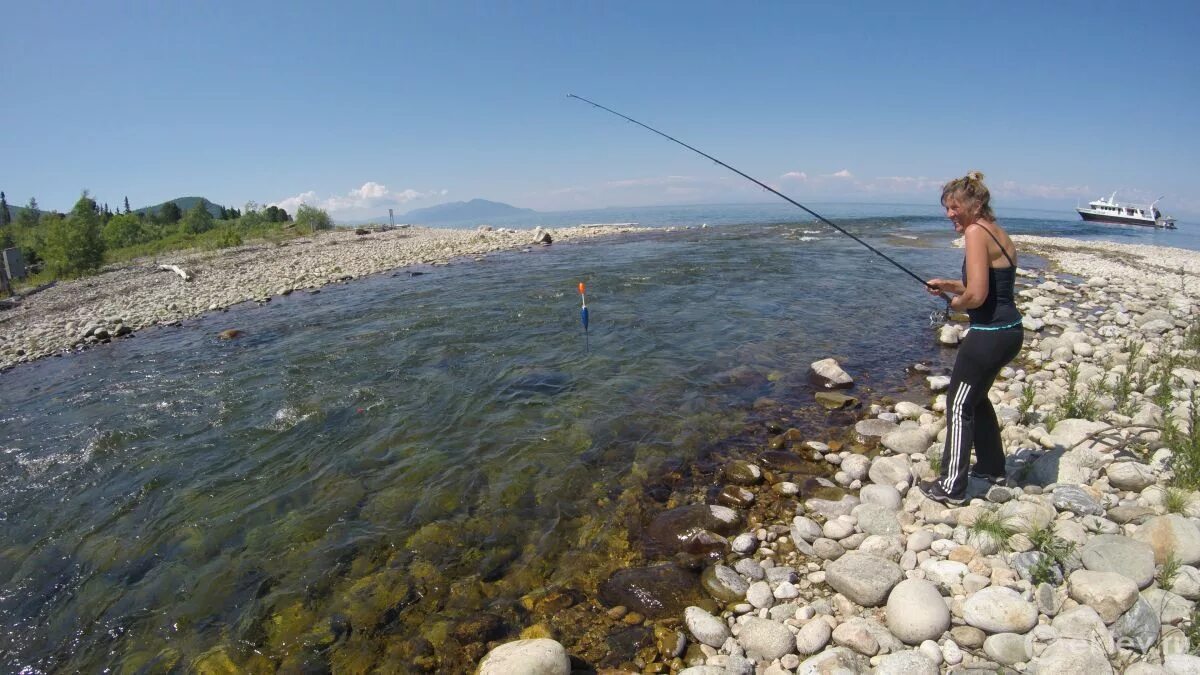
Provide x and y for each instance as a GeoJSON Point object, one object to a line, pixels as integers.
{"type": "Point", "coordinates": [125, 298]}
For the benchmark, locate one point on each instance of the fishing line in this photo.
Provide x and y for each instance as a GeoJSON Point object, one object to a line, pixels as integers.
{"type": "Point", "coordinates": [772, 190]}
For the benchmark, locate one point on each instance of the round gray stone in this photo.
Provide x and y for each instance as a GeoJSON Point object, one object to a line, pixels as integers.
{"type": "Point", "coordinates": [916, 612]}
{"type": "Point", "coordinates": [876, 519]}
{"type": "Point", "coordinates": [882, 495]}
{"type": "Point", "coordinates": [813, 636]}
{"type": "Point", "coordinates": [706, 628]}
{"type": "Point", "coordinates": [767, 640]}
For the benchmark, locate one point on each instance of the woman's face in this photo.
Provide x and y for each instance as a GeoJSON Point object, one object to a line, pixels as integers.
{"type": "Point", "coordinates": [957, 213]}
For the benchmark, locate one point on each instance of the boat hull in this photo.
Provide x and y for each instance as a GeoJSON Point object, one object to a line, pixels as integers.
{"type": "Point", "coordinates": [1123, 220]}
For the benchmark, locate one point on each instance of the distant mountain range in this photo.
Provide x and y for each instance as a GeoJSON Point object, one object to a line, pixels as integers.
{"type": "Point", "coordinates": [476, 209]}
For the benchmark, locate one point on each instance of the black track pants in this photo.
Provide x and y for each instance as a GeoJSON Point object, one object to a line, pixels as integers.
{"type": "Point", "coordinates": [970, 418]}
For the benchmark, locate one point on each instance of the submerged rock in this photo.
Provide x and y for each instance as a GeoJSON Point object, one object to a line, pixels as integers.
{"type": "Point", "coordinates": [689, 529]}
{"type": "Point", "coordinates": [656, 592]}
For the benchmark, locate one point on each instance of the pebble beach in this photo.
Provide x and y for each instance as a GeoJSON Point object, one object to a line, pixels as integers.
{"type": "Point", "coordinates": [125, 298]}
{"type": "Point", "coordinates": [1086, 561]}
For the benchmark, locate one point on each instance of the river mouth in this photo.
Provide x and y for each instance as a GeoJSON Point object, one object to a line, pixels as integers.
{"type": "Point", "coordinates": [404, 468]}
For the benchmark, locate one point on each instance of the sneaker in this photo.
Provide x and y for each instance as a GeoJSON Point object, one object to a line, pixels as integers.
{"type": "Point", "coordinates": [932, 489]}
{"type": "Point", "coordinates": [1000, 480]}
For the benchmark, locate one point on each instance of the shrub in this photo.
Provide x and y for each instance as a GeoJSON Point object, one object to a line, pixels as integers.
{"type": "Point", "coordinates": [1076, 405]}
{"type": "Point", "coordinates": [312, 219]}
{"type": "Point", "coordinates": [74, 244]}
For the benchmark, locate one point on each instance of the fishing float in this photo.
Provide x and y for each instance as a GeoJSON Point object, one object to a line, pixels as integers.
{"type": "Point", "coordinates": [583, 318]}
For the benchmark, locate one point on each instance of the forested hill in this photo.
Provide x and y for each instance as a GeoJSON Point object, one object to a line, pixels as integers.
{"type": "Point", "coordinates": [185, 204]}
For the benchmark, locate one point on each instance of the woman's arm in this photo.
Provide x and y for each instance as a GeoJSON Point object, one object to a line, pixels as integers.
{"type": "Point", "coordinates": [975, 292]}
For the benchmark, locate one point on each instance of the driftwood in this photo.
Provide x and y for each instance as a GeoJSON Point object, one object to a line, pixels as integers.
{"type": "Point", "coordinates": [187, 276]}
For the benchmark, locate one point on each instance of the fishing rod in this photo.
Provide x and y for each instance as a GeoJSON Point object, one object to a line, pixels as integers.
{"type": "Point", "coordinates": [764, 186]}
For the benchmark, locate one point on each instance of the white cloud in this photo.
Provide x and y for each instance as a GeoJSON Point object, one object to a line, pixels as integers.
{"type": "Point", "coordinates": [794, 175]}
{"type": "Point", "coordinates": [844, 173]}
{"type": "Point", "coordinates": [366, 200]}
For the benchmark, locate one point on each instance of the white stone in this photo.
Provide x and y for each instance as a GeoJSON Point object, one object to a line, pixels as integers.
{"type": "Point", "coordinates": [536, 657]}
{"type": "Point", "coordinates": [997, 609]}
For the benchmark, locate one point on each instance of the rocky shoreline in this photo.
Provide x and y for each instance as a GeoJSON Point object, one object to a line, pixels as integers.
{"type": "Point", "coordinates": [1087, 561]}
{"type": "Point", "coordinates": [126, 298]}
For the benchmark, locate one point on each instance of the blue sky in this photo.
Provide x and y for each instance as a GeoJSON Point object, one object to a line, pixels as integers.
{"type": "Point", "coordinates": [362, 106]}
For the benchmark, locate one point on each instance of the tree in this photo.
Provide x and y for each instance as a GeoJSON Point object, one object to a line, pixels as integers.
{"type": "Point", "coordinates": [169, 213]}
{"type": "Point", "coordinates": [127, 209]}
{"type": "Point", "coordinates": [26, 233]}
{"type": "Point", "coordinates": [74, 244]}
{"type": "Point", "coordinates": [275, 214]}
{"type": "Point", "coordinates": [312, 218]}
{"type": "Point", "coordinates": [123, 229]}
{"type": "Point", "coordinates": [5, 216]}
{"type": "Point", "coordinates": [198, 219]}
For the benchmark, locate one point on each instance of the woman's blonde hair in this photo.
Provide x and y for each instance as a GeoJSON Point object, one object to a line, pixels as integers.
{"type": "Point", "coordinates": [970, 192]}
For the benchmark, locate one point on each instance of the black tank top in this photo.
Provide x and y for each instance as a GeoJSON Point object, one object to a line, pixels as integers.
{"type": "Point", "coordinates": [1000, 306]}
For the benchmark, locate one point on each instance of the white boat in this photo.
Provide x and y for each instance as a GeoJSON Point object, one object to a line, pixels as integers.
{"type": "Point", "coordinates": [1111, 211]}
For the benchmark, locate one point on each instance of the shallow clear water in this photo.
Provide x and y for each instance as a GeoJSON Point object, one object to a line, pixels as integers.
{"type": "Point", "coordinates": [383, 440]}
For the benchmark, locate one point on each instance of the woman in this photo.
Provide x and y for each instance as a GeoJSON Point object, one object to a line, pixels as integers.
{"type": "Point", "coordinates": [986, 293]}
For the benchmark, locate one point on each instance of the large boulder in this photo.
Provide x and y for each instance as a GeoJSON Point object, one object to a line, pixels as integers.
{"type": "Point", "coordinates": [916, 612]}
{"type": "Point", "coordinates": [657, 591]}
{"type": "Point", "coordinates": [1133, 476]}
{"type": "Point", "coordinates": [863, 578]}
{"type": "Point", "coordinates": [534, 657]}
{"type": "Point", "coordinates": [1169, 534]}
{"type": "Point", "coordinates": [1070, 433]}
{"type": "Point", "coordinates": [689, 529]}
{"type": "Point", "coordinates": [1128, 557]}
{"type": "Point", "coordinates": [1109, 593]}
{"type": "Point", "coordinates": [1139, 628]}
{"type": "Point", "coordinates": [1062, 466]}
{"type": "Point", "coordinates": [890, 470]}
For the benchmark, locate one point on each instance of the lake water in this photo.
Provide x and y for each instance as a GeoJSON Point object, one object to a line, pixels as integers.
{"type": "Point", "coordinates": [374, 465]}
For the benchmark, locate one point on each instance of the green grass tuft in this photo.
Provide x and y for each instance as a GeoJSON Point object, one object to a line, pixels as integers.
{"type": "Point", "coordinates": [990, 524]}
{"type": "Point", "coordinates": [1168, 570]}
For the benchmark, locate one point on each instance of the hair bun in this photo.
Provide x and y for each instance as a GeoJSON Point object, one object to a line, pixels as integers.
{"type": "Point", "coordinates": [975, 175]}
